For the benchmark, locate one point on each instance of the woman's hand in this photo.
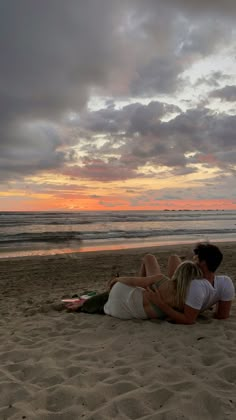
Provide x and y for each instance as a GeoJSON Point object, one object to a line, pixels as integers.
{"type": "Point", "coordinates": [154, 296]}
{"type": "Point", "coordinates": [111, 282]}
{"type": "Point", "coordinates": [73, 306]}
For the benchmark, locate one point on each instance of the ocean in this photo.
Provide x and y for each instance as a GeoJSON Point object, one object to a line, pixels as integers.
{"type": "Point", "coordinates": [43, 233]}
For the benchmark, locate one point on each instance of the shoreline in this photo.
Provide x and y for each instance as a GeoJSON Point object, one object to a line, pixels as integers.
{"type": "Point", "coordinates": [112, 247]}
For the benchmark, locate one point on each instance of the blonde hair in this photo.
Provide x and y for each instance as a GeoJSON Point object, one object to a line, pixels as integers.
{"type": "Point", "coordinates": [183, 275]}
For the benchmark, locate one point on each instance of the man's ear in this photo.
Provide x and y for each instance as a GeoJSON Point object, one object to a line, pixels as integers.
{"type": "Point", "coordinates": [202, 264]}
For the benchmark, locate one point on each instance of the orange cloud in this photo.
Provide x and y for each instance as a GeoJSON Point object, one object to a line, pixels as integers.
{"type": "Point", "coordinates": [83, 203]}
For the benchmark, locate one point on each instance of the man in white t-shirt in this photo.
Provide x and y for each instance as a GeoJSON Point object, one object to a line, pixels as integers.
{"type": "Point", "coordinates": [204, 293]}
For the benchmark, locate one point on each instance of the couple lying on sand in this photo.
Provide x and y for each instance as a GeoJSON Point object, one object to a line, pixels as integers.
{"type": "Point", "coordinates": [190, 288]}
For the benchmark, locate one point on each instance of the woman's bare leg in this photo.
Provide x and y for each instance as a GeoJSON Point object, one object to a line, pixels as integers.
{"type": "Point", "coordinates": [142, 271]}
{"type": "Point", "coordinates": [149, 266]}
{"type": "Point", "coordinates": [173, 262]}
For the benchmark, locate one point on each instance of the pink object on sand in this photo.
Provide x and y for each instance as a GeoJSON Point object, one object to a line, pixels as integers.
{"type": "Point", "coordinates": [75, 300]}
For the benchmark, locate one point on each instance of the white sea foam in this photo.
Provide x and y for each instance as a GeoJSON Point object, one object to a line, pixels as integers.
{"type": "Point", "coordinates": [50, 232]}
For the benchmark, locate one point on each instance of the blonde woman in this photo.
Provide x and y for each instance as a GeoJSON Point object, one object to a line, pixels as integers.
{"type": "Point", "coordinates": [128, 297]}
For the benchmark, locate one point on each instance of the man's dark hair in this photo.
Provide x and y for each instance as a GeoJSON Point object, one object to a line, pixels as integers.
{"type": "Point", "coordinates": [209, 253]}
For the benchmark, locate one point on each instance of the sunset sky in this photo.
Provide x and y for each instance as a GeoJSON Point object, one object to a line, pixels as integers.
{"type": "Point", "coordinates": [108, 104]}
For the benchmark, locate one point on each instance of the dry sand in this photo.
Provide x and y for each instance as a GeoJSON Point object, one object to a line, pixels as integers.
{"type": "Point", "coordinates": [60, 365]}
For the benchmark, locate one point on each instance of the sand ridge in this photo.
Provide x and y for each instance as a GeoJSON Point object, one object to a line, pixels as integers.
{"type": "Point", "coordinates": [60, 365]}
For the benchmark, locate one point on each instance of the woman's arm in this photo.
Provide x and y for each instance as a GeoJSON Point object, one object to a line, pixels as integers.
{"type": "Point", "coordinates": [136, 281]}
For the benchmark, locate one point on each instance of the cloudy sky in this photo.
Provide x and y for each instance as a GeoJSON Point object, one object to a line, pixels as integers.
{"type": "Point", "coordinates": [108, 104]}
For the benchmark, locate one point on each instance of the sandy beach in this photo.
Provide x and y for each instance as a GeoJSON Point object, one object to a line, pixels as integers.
{"type": "Point", "coordinates": [61, 365]}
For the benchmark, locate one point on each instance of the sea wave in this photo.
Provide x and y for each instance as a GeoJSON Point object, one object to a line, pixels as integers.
{"type": "Point", "coordinates": [18, 219]}
{"type": "Point", "coordinates": [57, 238]}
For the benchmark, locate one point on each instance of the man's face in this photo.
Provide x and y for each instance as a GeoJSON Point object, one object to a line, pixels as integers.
{"type": "Point", "coordinates": [201, 264]}
{"type": "Point", "coordinates": [196, 259]}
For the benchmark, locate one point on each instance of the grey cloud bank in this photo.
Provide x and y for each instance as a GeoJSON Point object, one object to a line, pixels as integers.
{"type": "Point", "coordinates": [227, 93]}
{"type": "Point", "coordinates": [56, 54]}
{"type": "Point", "coordinates": [146, 137]}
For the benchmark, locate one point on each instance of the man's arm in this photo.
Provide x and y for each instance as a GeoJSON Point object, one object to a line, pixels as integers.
{"type": "Point", "coordinates": [223, 309]}
{"type": "Point", "coordinates": [189, 315]}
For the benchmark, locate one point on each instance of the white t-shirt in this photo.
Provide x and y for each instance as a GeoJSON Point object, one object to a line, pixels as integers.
{"type": "Point", "coordinates": [202, 294]}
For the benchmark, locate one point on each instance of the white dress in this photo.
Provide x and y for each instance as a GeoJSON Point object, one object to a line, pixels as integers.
{"type": "Point", "coordinates": [125, 302]}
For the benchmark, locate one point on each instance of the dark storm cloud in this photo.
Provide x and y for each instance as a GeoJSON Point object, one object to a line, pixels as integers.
{"type": "Point", "coordinates": [51, 52]}
{"type": "Point", "coordinates": [227, 93]}
{"type": "Point", "coordinates": [54, 53]}
{"type": "Point", "coordinates": [32, 149]}
{"type": "Point", "coordinates": [197, 136]}
{"type": "Point", "coordinates": [194, 42]}
{"type": "Point", "coordinates": [160, 75]}
{"type": "Point", "coordinates": [181, 41]}
{"type": "Point", "coordinates": [213, 80]}
{"type": "Point", "coordinates": [131, 118]}
{"type": "Point", "coordinates": [203, 134]}
{"type": "Point", "coordinates": [218, 7]}
{"type": "Point", "coordinates": [227, 158]}
{"type": "Point", "coordinates": [198, 129]}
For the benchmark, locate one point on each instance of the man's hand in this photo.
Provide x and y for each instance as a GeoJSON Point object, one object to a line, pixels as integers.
{"type": "Point", "coordinates": [189, 315]}
{"type": "Point", "coordinates": [154, 296]}
{"type": "Point", "coordinates": [223, 310]}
